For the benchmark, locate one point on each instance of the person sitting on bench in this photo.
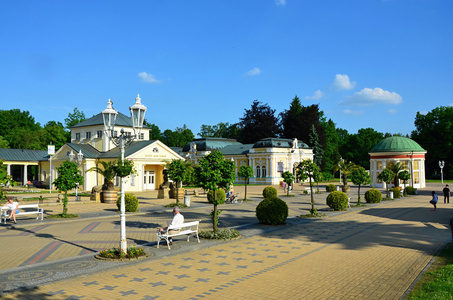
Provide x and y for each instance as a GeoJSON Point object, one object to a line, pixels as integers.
{"type": "Point", "coordinates": [13, 207]}
{"type": "Point", "coordinates": [178, 219]}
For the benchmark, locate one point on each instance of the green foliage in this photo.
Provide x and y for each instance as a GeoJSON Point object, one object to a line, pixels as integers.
{"type": "Point", "coordinates": [246, 172]}
{"type": "Point", "coordinates": [346, 167]}
{"type": "Point", "coordinates": [4, 177]}
{"type": "Point", "coordinates": [270, 192]}
{"type": "Point", "coordinates": [124, 168]}
{"type": "Point", "coordinates": [288, 178]}
{"type": "Point", "coordinates": [330, 188]}
{"type": "Point", "coordinates": [177, 171]}
{"type": "Point", "coordinates": [316, 146]}
{"type": "Point", "coordinates": [331, 147]}
{"type": "Point", "coordinates": [68, 176]}
{"type": "Point", "coordinates": [107, 171]}
{"type": "Point", "coordinates": [337, 200]}
{"type": "Point", "coordinates": [272, 211]}
{"type": "Point", "coordinates": [177, 138]}
{"type": "Point", "coordinates": [396, 192]}
{"type": "Point", "coordinates": [3, 143]}
{"type": "Point", "coordinates": [327, 176]}
{"type": "Point", "coordinates": [360, 177]}
{"type": "Point", "coordinates": [116, 253]}
{"type": "Point", "coordinates": [396, 167]}
{"type": "Point", "coordinates": [307, 168]}
{"type": "Point", "coordinates": [373, 196]}
{"type": "Point", "coordinates": [221, 196]}
{"type": "Point", "coordinates": [74, 118]}
{"type": "Point", "coordinates": [221, 130]}
{"type": "Point", "coordinates": [130, 202]}
{"type": "Point", "coordinates": [258, 122]}
{"type": "Point", "coordinates": [404, 176]}
{"type": "Point", "coordinates": [410, 190]}
{"type": "Point", "coordinates": [386, 176]}
{"type": "Point", "coordinates": [221, 234]}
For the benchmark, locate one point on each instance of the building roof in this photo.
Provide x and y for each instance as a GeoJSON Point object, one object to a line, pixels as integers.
{"type": "Point", "coordinates": [23, 155]}
{"type": "Point", "coordinates": [210, 144]}
{"type": "Point", "coordinates": [278, 143]}
{"type": "Point", "coordinates": [397, 144]}
{"type": "Point", "coordinates": [88, 151]}
{"type": "Point", "coordinates": [236, 149]}
{"type": "Point", "coordinates": [121, 120]}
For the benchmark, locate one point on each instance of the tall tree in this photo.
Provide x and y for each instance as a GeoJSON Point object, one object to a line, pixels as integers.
{"type": "Point", "coordinates": [68, 176]}
{"type": "Point", "coordinates": [54, 132]}
{"type": "Point", "coordinates": [246, 172]}
{"type": "Point", "coordinates": [355, 147]}
{"type": "Point", "coordinates": [317, 149]}
{"type": "Point", "coordinates": [74, 118]}
{"type": "Point", "coordinates": [176, 171]}
{"type": "Point", "coordinates": [221, 130]}
{"type": "Point", "coordinates": [360, 177]}
{"type": "Point", "coordinates": [258, 122]}
{"type": "Point", "coordinates": [308, 168]}
{"type": "Point", "coordinates": [19, 128]}
{"type": "Point", "coordinates": [177, 138]}
{"type": "Point", "coordinates": [332, 148]}
{"type": "Point", "coordinates": [291, 120]}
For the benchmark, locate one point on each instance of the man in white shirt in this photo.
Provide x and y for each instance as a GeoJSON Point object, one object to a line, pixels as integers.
{"type": "Point", "coordinates": [178, 219]}
{"type": "Point", "coordinates": [13, 208]}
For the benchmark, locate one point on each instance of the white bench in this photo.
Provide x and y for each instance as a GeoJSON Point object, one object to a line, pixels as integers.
{"type": "Point", "coordinates": [308, 190]}
{"type": "Point", "coordinates": [185, 229]}
{"type": "Point", "coordinates": [25, 209]}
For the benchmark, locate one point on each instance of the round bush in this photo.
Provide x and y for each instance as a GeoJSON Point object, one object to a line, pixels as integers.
{"type": "Point", "coordinates": [272, 211]}
{"type": "Point", "coordinates": [373, 196]}
{"type": "Point", "coordinates": [396, 192]}
{"type": "Point", "coordinates": [337, 200]}
{"type": "Point", "coordinates": [130, 202]}
{"type": "Point", "coordinates": [330, 188]}
{"type": "Point", "coordinates": [269, 192]}
{"type": "Point", "coordinates": [410, 190]}
{"type": "Point", "coordinates": [221, 196]}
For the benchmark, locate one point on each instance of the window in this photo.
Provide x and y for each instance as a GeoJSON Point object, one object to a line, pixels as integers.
{"type": "Point", "coordinates": [379, 165]}
{"type": "Point", "coordinates": [142, 136]}
{"type": "Point", "coordinates": [405, 165]}
{"type": "Point", "coordinates": [416, 178]}
{"type": "Point", "coordinates": [280, 166]}
{"type": "Point", "coordinates": [258, 171]}
{"type": "Point", "coordinates": [114, 133]}
{"type": "Point", "coordinates": [99, 133]}
{"type": "Point", "coordinates": [88, 135]}
{"type": "Point", "coordinates": [127, 134]}
{"type": "Point", "coordinates": [416, 165]}
{"type": "Point", "coordinates": [77, 136]}
{"type": "Point", "coordinates": [117, 181]}
{"type": "Point", "coordinates": [263, 171]}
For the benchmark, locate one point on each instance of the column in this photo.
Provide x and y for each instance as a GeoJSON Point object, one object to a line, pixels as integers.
{"type": "Point", "coordinates": [25, 175]}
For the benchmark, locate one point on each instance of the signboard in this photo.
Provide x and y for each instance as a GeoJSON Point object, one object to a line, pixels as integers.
{"type": "Point", "coordinates": [51, 149]}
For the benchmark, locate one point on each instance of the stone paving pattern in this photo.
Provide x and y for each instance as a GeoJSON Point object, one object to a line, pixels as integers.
{"type": "Point", "coordinates": [374, 252]}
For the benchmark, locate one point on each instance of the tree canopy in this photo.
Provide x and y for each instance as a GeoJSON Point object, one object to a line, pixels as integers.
{"type": "Point", "coordinates": [258, 122]}
{"type": "Point", "coordinates": [74, 118]}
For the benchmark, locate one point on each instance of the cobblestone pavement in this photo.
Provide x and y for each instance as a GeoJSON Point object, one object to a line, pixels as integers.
{"type": "Point", "coordinates": [373, 252]}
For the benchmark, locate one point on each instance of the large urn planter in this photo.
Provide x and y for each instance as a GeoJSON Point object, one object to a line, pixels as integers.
{"type": "Point", "coordinates": [346, 188]}
{"type": "Point", "coordinates": [109, 197]}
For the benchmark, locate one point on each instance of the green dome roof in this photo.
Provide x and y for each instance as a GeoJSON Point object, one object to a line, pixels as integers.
{"type": "Point", "coordinates": [397, 144]}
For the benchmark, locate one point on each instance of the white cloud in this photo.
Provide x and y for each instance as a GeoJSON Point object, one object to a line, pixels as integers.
{"type": "Point", "coordinates": [451, 104]}
{"type": "Point", "coordinates": [316, 95]}
{"type": "Point", "coordinates": [280, 2]}
{"type": "Point", "coordinates": [148, 78]}
{"type": "Point", "coordinates": [253, 72]}
{"type": "Point", "coordinates": [392, 111]}
{"type": "Point", "coordinates": [352, 112]}
{"type": "Point", "coordinates": [342, 82]}
{"type": "Point", "coordinates": [369, 96]}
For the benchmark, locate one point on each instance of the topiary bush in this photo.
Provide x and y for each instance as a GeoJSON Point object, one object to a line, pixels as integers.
{"type": "Point", "coordinates": [337, 200]}
{"type": "Point", "coordinates": [410, 190]}
{"type": "Point", "coordinates": [130, 202]}
{"type": "Point", "coordinates": [373, 196]}
{"type": "Point", "coordinates": [272, 211]}
{"type": "Point", "coordinates": [330, 188]}
{"type": "Point", "coordinates": [269, 192]}
{"type": "Point", "coordinates": [396, 192]}
{"type": "Point", "coordinates": [221, 196]}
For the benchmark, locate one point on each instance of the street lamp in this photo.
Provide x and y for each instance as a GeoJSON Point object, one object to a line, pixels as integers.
{"type": "Point", "coordinates": [441, 165]}
{"type": "Point", "coordinates": [79, 162]}
{"type": "Point", "coordinates": [138, 111]}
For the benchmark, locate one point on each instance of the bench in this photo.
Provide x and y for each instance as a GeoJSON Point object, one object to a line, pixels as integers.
{"type": "Point", "coordinates": [308, 190]}
{"type": "Point", "coordinates": [26, 209]}
{"type": "Point", "coordinates": [185, 229]}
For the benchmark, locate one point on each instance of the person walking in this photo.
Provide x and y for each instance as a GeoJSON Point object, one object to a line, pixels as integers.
{"type": "Point", "coordinates": [446, 192]}
{"type": "Point", "coordinates": [434, 200]}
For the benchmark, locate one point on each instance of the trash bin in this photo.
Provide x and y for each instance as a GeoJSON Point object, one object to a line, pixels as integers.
{"type": "Point", "coordinates": [187, 200]}
{"type": "Point", "coordinates": [338, 188]}
{"type": "Point", "coordinates": [391, 195]}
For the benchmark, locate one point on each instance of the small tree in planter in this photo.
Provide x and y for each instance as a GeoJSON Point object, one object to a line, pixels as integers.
{"type": "Point", "coordinates": [246, 172]}
{"type": "Point", "coordinates": [386, 176]}
{"type": "Point", "coordinates": [176, 171]}
{"type": "Point", "coordinates": [68, 176]}
{"type": "Point", "coordinates": [308, 168]}
{"type": "Point", "coordinates": [108, 172]}
{"type": "Point", "coordinates": [360, 177]}
{"type": "Point", "coordinates": [346, 167]}
{"type": "Point", "coordinates": [288, 178]}
{"type": "Point", "coordinates": [404, 176]}
{"type": "Point", "coordinates": [317, 178]}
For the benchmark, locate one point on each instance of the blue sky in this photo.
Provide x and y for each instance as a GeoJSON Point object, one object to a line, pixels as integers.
{"type": "Point", "coordinates": [367, 63]}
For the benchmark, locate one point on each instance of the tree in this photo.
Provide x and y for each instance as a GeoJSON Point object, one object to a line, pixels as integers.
{"type": "Point", "coordinates": [4, 177]}
{"type": "Point", "coordinates": [346, 167]}
{"type": "Point", "coordinates": [3, 143]}
{"type": "Point", "coordinates": [74, 118]}
{"type": "Point", "coordinates": [107, 171]}
{"type": "Point", "coordinates": [215, 172]}
{"type": "Point", "coordinates": [176, 171]}
{"type": "Point", "coordinates": [386, 176]}
{"type": "Point", "coordinates": [258, 123]}
{"type": "Point", "coordinates": [246, 172]}
{"type": "Point", "coordinates": [360, 177]}
{"type": "Point", "coordinates": [317, 149]}
{"type": "Point", "coordinates": [154, 133]}
{"type": "Point", "coordinates": [308, 168]}
{"type": "Point", "coordinates": [404, 176]}
{"type": "Point", "coordinates": [355, 147]}
{"type": "Point", "coordinates": [54, 132]}
{"type": "Point", "coordinates": [177, 138]}
{"type": "Point", "coordinates": [331, 149]}
{"type": "Point", "coordinates": [396, 167]}
{"type": "Point", "coordinates": [19, 129]}
{"type": "Point", "coordinates": [68, 176]}
{"type": "Point", "coordinates": [288, 178]}
{"type": "Point", "coordinates": [317, 178]}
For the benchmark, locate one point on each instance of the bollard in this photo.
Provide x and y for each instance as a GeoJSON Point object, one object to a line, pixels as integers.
{"type": "Point", "coordinates": [187, 200]}
{"type": "Point", "coordinates": [41, 200]}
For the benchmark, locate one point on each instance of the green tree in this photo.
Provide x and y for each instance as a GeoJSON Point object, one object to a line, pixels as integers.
{"type": "Point", "coordinates": [317, 178]}
{"type": "Point", "coordinates": [331, 149]}
{"type": "Point", "coordinates": [215, 172]}
{"type": "Point", "coordinates": [154, 133]}
{"type": "Point", "coordinates": [404, 176]}
{"type": "Point", "coordinates": [54, 132]}
{"type": "Point", "coordinates": [346, 167]}
{"type": "Point", "coordinates": [68, 176]}
{"type": "Point", "coordinates": [74, 118]}
{"type": "Point", "coordinates": [246, 172]}
{"type": "Point", "coordinates": [317, 149]}
{"type": "Point", "coordinates": [386, 176]}
{"type": "Point", "coordinates": [177, 138]}
{"type": "Point", "coordinates": [396, 167]}
{"type": "Point", "coordinates": [258, 122]}
{"type": "Point", "coordinates": [308, 168]}
{"type": "Point", "coordinates": [107, 171]}
{"type": "Point", "coordinates": [4, 177]}
{"type": "Point", "coordinates": [176, 171]}
{"type": "Point", "coordinates": [288, 178]}
{"type": "Point", "coordinates": [360, 177]}
{"type": "Point", "coordinates": [3, 143]}
{"type": "Point", "coordinates": [19, 129]}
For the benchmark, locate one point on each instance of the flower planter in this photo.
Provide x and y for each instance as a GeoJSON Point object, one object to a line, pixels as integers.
{"type": "Point", "coordinates": [109, 197]}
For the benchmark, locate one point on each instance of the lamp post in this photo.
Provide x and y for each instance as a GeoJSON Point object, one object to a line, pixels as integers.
{"type": "Point", "coordinates": [138, 111]}
{"type": "Point", "coordinates": [79, 162]}
{"type": "Point", "coordinates": [441, 165]}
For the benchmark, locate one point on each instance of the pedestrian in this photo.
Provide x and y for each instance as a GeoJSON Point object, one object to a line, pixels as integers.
{"type": "Point", "coordinates": [284, 186]}
{"type": "Point", "coordinates": [446, 192]}
{"type": "Point", "coordinates": [434, 200]}
{"type": "Point", "coordinates": [178, 219]}
{"type": "Point", "coordinates": [13, 207]}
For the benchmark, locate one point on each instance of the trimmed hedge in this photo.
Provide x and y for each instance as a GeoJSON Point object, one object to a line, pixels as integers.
{"type": "Point", "coordinates": [396, 192]}
{"type": "Point", "coordinates": [373, 196]}
{"type": "Point", "coordinates": [410, 190]}
{"type": "Point", "coordinates": [269, 192]}
{"type": "Point", "coordinates": [221, 196]}
{"type": "Point", "coordinates": [130, 202]}
{"type": "Point", "coordinates": [331, 188]}
{"type": "Point", "coordinates": [272, 211]}
{"type": "Point", "coordinates": [337, 200]}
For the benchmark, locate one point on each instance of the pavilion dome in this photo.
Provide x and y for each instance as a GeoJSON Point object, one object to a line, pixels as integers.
{"type": "Point", "coordinates": [397, 144]}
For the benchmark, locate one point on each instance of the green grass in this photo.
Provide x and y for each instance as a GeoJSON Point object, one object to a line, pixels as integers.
{"type": "Point", "coordinates": [61, 216]}
{"type": "Point", "coordinates": [437, 282]}
{"type": "Point", "coordinates": [439, 181]}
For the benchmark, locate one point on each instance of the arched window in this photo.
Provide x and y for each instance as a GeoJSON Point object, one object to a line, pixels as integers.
{"type": "Point", "coordinates": [263, 171]}
{"type": "Point", "coordinates": [258, 171]}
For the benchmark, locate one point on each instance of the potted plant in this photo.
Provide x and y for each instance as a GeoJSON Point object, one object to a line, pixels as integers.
{"type": "Point", "coordinates": [108, 171]}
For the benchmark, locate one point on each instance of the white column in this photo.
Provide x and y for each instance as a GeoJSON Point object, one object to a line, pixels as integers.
{"type": "Point", "coordinates": [25, 180]}
{"type": "Point", "coordinates": [8, 169]}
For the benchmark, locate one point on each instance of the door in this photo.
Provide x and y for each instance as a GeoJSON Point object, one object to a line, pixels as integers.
{"type": "Point", "coordinates": [149, 180]}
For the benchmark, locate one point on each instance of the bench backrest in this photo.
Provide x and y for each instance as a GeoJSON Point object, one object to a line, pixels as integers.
{"type": "Point", "coordinates": [24, 206]}
{"type": "Point", "coordinates": [188, 224]}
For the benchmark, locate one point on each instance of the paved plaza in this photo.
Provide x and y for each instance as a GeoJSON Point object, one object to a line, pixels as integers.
{"type": "Point", "coordinates": [372, 252]}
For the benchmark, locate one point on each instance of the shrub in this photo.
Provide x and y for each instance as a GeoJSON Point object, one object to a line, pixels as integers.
{"type": "Point", "coordinates": [410, 190]}
{"type": "Point", "coordinates": [330, 188]}
{"type": "Point", "coordinates": [272, 211]}
{"type": "Point", "coordinates": [396, 192]}
{"type": "Point", "coordinates": [327, 176]}
{"type": "Point", "coordinates": [373, 196]}
{"type": "Point", "coordinates": [269, 192]}
{"type": "Point", "coordinates": [337, 200]}
{"type": "Point", "coordinates": [221, 196]}
{"type": "Point", "coordinates": [130, 202]}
